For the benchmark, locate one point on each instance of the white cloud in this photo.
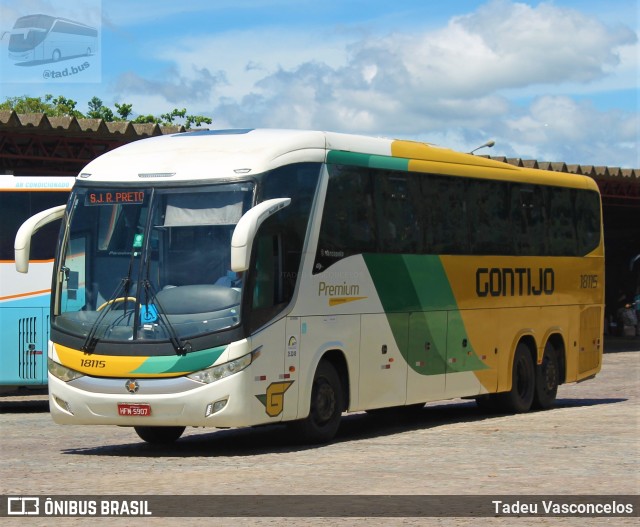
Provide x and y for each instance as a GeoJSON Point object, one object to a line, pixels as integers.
{"type": "Point", "coordinates": [457, 82]}
{"type": "Point", "coordinates": [559, 128]}
{"type": "Point", "coordinates": [173, 87]}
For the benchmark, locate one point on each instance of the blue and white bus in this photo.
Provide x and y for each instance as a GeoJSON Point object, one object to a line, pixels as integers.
{"type": "Point", "coordinates": [48, 38]}
{"type": "Point", "coordinates": [25, 299]}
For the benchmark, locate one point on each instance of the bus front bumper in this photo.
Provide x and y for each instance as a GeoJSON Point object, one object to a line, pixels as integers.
{"type": "Point", "coordinates": [179, 401]}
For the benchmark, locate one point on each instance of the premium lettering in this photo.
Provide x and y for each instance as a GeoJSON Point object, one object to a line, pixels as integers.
{"type": "Point", "coordinates": [514, 281]}
{"type": "Point", "coordinates": [345, 289]}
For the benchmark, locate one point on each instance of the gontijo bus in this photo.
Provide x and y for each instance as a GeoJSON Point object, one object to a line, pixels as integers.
{"type": "Point", "coordinates": [24, 299]}
{"type": "Point", "coordinates": [243, 277]}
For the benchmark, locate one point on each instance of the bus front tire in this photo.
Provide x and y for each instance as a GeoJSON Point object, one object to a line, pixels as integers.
{"type": "Point", "coordinates": [325, 409]}
{"type": "Point", "coordinates": [523, 383]}
{"type": "Point", "coordinates": [159, 435]}
{"type": "Point", "coordinates": [547, 378]}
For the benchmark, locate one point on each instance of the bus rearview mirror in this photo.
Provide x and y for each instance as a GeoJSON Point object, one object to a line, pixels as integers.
{"type": "Point", "coordinates": [246, 229]}
{"type": "Point", "coordinates": [22, 244]}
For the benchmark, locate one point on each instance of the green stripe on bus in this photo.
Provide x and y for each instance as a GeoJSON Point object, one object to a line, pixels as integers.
{"type": "Point", "coordinates": [338, 157]}
{"type": "Point", "coordinates": [410, 283]}
{"type": "Point", "coordinates": [418, 286]}
{"type": "Point", "coordinates": [195, 361]}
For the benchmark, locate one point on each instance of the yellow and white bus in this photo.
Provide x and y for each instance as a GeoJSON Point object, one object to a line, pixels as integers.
{"type": "Point", "coordinates": [232, 278]}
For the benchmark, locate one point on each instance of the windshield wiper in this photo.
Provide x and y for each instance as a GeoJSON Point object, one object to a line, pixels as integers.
{"type": "Point", "coordinates": [91, 340]}
{"type": "Point", "coordinates": [180, 347]}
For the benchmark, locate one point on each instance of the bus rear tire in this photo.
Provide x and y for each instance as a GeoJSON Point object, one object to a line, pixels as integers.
{"type": "Point", "coordinates": [159, 435]}
{"type": "Point", "coordinates": [56, 55]}
{"type": "Point", "coordinates": [325, 409]}
{"type": "Point", "coordinates": [523, 383]}
{"type": "Point", "coordinates": [547, 378]}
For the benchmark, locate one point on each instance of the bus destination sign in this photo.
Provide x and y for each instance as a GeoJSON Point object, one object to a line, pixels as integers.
{"type": "Point", "coordinates": [115, 197]}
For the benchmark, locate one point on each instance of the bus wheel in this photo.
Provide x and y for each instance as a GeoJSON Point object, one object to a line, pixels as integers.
{"type": "Point", "coordinates": [159, 435]}
{"type": "Point", "coordinates": [523, 382]}
{"type": "Point", "coordinates": [56, 55]}
{"type": "Point", "coordinates": [547, 378]}
{"type": "Point", "coordinates": [326, 407]}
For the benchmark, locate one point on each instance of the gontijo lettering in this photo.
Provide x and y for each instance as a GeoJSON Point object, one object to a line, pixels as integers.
{"type": "Point", "coordinates": [518, 281]}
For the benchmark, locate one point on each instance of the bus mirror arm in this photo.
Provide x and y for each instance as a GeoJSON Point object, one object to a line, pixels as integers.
{"type": "Point", "coordinates": [22, 245]}
{"type": "Point", "coordinates": [247, 228]}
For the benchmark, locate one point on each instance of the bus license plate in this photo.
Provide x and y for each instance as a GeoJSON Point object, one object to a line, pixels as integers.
{"type": "Point", "coordinates": [138, 410]}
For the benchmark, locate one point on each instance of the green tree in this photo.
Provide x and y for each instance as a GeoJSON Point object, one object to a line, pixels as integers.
{"type": "Point", "coordinates": [97, 110]}
{"type": "Point", "coordinates": [62, 106]}
{"type": "Point", "coordinates": [49, 105]}
{"type": "Point", "coordinates": [124, 110]}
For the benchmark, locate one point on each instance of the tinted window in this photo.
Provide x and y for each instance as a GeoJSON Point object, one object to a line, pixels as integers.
{"type": "Point", "coordinates": [528, 218]}
{"type": "Point", "coordinates": [562, 225]}
{"type": "Point", "coordinates": [489, 217]}
{"type": "Point", "coordinates": [15, 208]}
{"type": "Point", "coordinates": [375, 210]}
{"type": "Point", "coordinates": [278, 247]}
{"type": "Point", "coordinates": [447, 218]}
{"type": "Point", "coordinates": [397, 222]}
{"type": "Point", "coordinates": [348, 219]}
{"type": "Point", "coordinates": [588, 221]}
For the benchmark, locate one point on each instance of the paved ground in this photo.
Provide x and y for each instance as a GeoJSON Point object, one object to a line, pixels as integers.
{"type": "Point", "coordinates": [589, 444]}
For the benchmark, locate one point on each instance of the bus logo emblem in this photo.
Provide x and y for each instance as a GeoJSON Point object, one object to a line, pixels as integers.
{"type": "Point", "coordinates": [273, 400]}
{"type": "Point", "coordinates": [132, 386]}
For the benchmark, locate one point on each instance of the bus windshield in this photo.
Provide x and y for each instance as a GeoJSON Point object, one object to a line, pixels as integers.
{"type": "Point", "coordinates": [150, 264]}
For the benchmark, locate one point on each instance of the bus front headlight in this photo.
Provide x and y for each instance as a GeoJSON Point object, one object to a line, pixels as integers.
{"type": "Point", "coordinates": [215, 373]}
{"type": "Point", "coordinates": [62, 372]}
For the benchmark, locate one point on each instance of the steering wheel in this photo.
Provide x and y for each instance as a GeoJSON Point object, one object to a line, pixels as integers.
{"type": "Point", "coordinates": [117, 301]}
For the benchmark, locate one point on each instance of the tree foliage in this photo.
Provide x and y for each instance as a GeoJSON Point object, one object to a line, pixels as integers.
{"type": "Point", "coordinates": [63, 107]}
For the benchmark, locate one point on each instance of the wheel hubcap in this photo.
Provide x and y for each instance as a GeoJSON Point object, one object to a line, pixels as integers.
{"type": "Point", "coordinates": [325, 402]}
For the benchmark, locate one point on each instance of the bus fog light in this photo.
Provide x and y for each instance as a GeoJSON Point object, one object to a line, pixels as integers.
{"type": "Point", "coordinates": [64, 405]}
{"type": "Point", "coordinates": [213, 408]}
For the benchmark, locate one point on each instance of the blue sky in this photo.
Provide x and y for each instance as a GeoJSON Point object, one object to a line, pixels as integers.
{"type": "Point", "coordinates": [554, 81]}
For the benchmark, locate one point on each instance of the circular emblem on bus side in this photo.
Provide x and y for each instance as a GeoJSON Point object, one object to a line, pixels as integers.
{"type": "Point", "coordinates": [132, 386]}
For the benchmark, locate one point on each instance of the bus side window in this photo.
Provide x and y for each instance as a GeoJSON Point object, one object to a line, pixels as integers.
{"type": "Point", "coordinates": [561, 226]}
{"type": "Point", "coordinates": [348, 224]}
{"type": "Point", "coordinates": [446, 196]}
{"type": "Point", "coordinates": [280, 240]}
{"type": "Point", "coordinates": [528, 220]}
{"type": "Point", "coordinates": [396, 215]}
{"type": "Point", "coordinates": [588, 221]}
{"type": "Point", "coordinates": [266, 272]}
{"type": "Point", "coordinates": [489, 218]}
{"type": "Point", "coordinates": [267, 282]}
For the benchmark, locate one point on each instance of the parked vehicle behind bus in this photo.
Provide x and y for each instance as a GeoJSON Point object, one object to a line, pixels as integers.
{"type": "Point", "coordinates": [24, 299]}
